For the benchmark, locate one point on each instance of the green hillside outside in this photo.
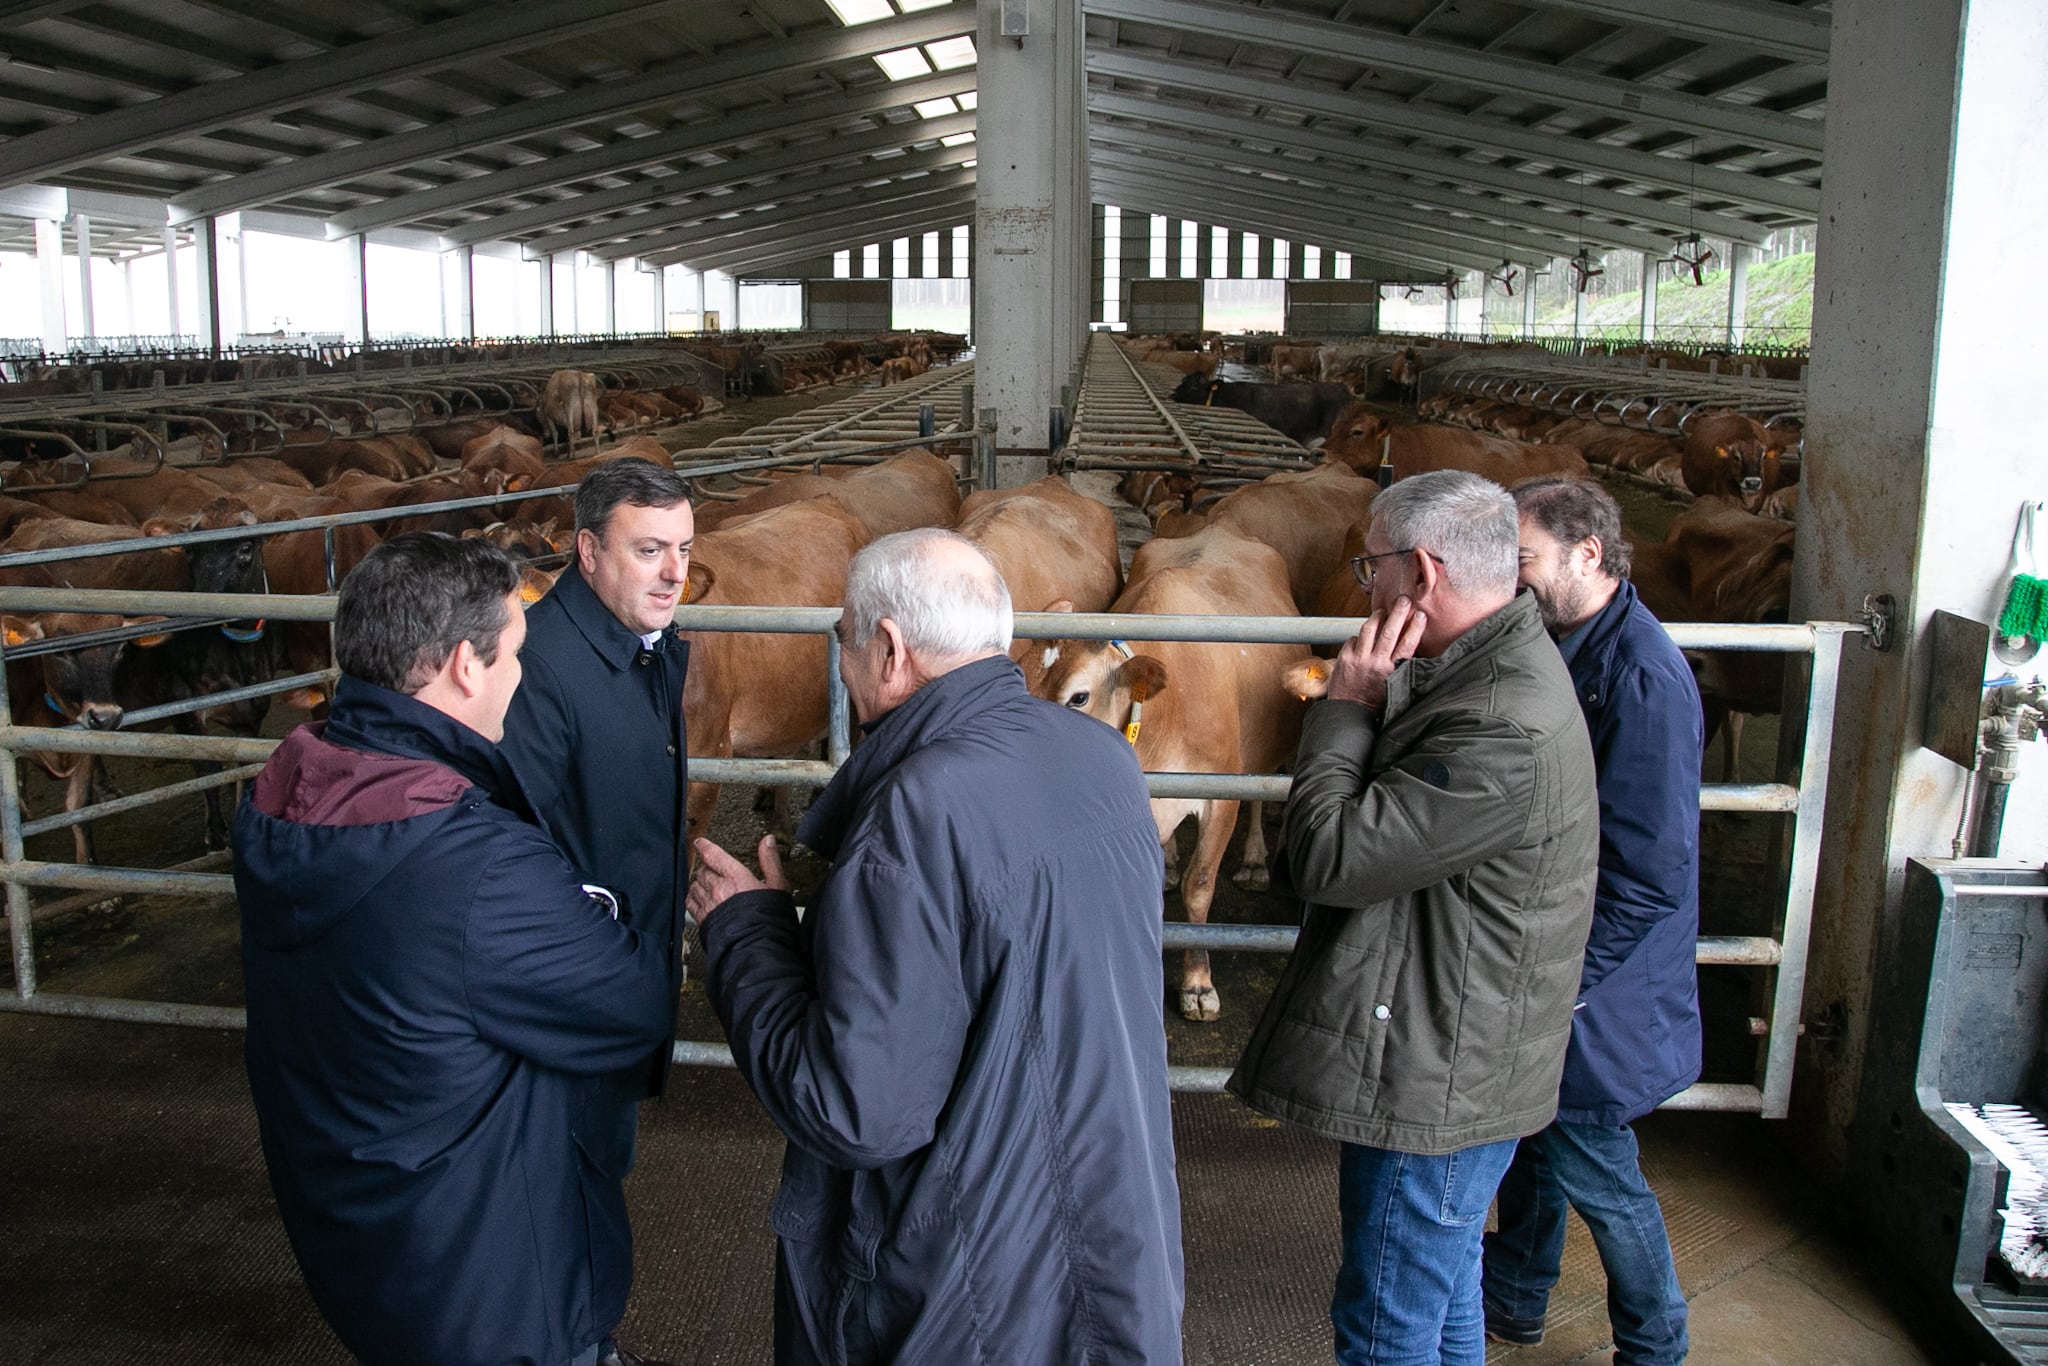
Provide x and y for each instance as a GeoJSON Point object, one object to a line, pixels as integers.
{"type": "Point", "coordinates": [1780, 306]}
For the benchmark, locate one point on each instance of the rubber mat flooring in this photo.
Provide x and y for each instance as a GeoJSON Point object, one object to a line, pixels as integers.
{"type": "Point", "coordinates": [137, 1225]}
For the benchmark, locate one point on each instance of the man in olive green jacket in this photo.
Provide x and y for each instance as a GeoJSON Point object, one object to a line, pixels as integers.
{"type": "Point", "coordinates": [1444, 830]}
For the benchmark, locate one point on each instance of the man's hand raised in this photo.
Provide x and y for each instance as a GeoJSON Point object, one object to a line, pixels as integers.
{"type": "Point", "coordinates": [1369, 659]}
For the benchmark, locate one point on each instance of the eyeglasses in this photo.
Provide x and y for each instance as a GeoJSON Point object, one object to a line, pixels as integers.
{"type": "Point", "coordinates": [1362, 566]}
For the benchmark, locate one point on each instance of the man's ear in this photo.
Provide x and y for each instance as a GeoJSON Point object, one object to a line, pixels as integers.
{"type": "Point", "coordinates": [586, 549]}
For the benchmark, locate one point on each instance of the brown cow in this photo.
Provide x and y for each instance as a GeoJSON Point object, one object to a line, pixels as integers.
{"type": "Point", "coordinates": [1361, 437]}
{"type": "Point", "coordinates": [1193, 708]}
{"type": "Point", "coordinates": [1303, 515]}
{"type": "Point", "coordinates": [1722, 563]}
{"type": "Point", "coordinates": [1187, 362]}
{"type": "Point", "coordinates": [568, 404]}
{"type": "Point", "coordinates": [1729, 455]}
{"type": "Point", "coordinates": [514, 454]}
{"type": "Point", "coordinates": [65, 688]}
{"type": "Point", "coordinates": [1056, 550]}
{"type": "Point", "coordinates": [750, 694]}
{"type": "Point", "coordinates": [1297, 362]}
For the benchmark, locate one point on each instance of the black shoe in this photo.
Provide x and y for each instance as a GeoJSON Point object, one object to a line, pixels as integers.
{"type": "Point", "coordinates": [619, 1356]}
{"type": "Point", "coordinates": [1502, 1329]}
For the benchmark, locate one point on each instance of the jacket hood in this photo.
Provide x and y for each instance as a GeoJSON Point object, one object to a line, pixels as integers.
{"type": "Point", "coordinates": [342, 802]}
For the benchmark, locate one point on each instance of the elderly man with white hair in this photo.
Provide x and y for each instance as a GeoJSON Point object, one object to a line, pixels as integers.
{"type": "Point", "coordinates": [1443, 829]}
{"type": "Point", "coordinates": [962, 1035]}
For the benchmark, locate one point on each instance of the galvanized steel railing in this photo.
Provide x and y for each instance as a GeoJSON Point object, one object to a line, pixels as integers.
{"type": "Point", "coordinates": [1784, 955]}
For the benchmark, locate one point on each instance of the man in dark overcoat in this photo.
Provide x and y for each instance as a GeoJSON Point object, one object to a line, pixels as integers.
{"type": "Point", "coordinates": [596, 736]}
{"type": "Point", "coordinates": [962, 1034]}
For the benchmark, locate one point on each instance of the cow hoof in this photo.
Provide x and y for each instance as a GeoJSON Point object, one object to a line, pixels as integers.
{"type": "Point", "coordinates": [1252, 879]}
{"type": "Point", "coordinates": [1202, 1006]}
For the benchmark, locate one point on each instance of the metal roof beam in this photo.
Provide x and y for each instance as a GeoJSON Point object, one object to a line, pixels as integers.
{"type": "Point", "coordinates": [1645, 168]}
{"type": "Point", "coordinates": [1386, 261]}
{"type": "Point", "coordinates": [853, 229]}
{"type": "Point", "coordinates": [1519, 184]}
{"type": "Point", "coordinates": [924, 190]}
{"type": "Point", "coordinates": [1286, 32]}
{"type": "Point", "coordinates": [739, 69]}
{"type": "Point", "coordinates": [1199, 199]}
{"type": "Point", "coordinates": [359, 66]}
{"type": "Point", "coordinates": [1424, 240]}
{"type": "Point", "coordinates": [1758, 25]}
{"type": "Point", "coordinates": [698, 181]}
{"type": "Point", "coordinates": [632, 154]}
{"type": "Point", "coordinates": [672, 227]}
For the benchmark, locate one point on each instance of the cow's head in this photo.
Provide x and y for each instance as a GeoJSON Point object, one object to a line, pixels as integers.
{"type": "Point", "coordinates": [1195, 387]}
{"type": "Point", "coordinates": [226, 566]}
{"type": "Point", "coordinates": [77, 685]}
{"type": "Point", "coordinates": [1355, 438]}
{"type": "Point", "coordinates": [1102, 679]}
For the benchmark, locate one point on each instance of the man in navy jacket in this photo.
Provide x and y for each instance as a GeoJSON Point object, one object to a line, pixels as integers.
{"type": "Point", "coordinates": [429, 986]}
{"type": "Point", "coordinates": [596, 737]}
{"type": "Point", "coordinates": [1636, 1032]}
{"type": "Point", "coordinates": [962, 1035]}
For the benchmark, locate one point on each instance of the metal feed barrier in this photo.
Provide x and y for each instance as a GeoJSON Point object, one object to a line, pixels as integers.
{"type": "Point", "coordinates": [1783, 955]}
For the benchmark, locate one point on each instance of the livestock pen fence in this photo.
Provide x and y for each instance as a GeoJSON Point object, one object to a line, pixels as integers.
{"type": "Point", "coordinates": [1782, 955]}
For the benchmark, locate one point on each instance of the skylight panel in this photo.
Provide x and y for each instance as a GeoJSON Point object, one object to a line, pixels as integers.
{"type": "Point", "coordinates": [853, 12]}
{"type": "Point", "coordinates": [949, 54]}
{"type": "Point", "coordinates": [957, 139]}
{"type": "Point", "coordinates": [913, 6]}
{"type": "Point", "coordinates": [935, 109]}
{"type": "Point", "coordinates": [971, 99]}
{"type": "Point", "coordinates": [903, 63]}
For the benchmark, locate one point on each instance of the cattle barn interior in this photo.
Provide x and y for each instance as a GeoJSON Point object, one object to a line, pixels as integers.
{"type": "Point", "coordinates": [316, 273]}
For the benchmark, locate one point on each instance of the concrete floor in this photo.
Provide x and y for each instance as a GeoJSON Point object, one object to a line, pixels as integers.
{"type": "Point", "coordinates": [138, 1225]}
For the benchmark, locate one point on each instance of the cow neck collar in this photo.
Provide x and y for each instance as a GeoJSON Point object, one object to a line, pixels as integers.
{"type": "Point", "coordinates": [615, 643]}
{"type": "Point", "coordinates": [1417, 678]}
{"type": "Point", "coordinates": [933, 710]}
{"type": "Point", "coordinates": [367, 717]}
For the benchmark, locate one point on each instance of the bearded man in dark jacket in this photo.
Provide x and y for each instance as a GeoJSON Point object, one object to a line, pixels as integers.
{"type": "Point", "coordinates": [429, 987]}
{"type": "Point", "coordinates": [1636, 1033]}
{"type": "Point", "coordinates": [1442, 827]}
{"type": "Point", "coordinates": [962, 1036]}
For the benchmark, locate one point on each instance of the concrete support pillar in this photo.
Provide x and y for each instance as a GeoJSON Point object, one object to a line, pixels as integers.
{"type": "Point", "coordinates": [1451, 306]}
{"type": "Point", "coordinates": [1578, 313]}
{"type": "Point", "coordinates": [465, 290]}
{"type": "Point", "coordinates": [358, 248]}
{"type": "Point", "coordinates": [547, 295]}
{"type": "Point", "coordinates": [1914, 469]}
{"type": "Point", "coordinates": [50, 259]}
{"type": "Point", "coordinates": [1529, 304]}
{"type": "Point", "coordinates": [661, 300]}
{"type": "Point", "coordinates": [1738, 292]}
{"type": "Point", "coordinates": [575, 327]}
{"type": "Point", "coordinates": [171, 277]}
{"type": "Point", "coordinates": [206, 243]}
{"type": "Point", "coordinates": [81, 227]}
{"type": "Point", "coordinates": [128, 294]}
{"type": "Point", "coordinates": [1650, 261]}
{"type": "Point", "coordinates": [1031, 212]}
{"type": "Point", "coordinates": [611, 296]}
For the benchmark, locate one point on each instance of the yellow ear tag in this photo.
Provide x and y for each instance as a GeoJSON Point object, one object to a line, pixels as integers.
{"type": "Point", "coordinates": [1131, 732]}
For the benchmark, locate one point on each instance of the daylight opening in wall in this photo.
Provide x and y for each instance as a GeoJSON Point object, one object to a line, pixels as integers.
{"type": "Point", "coordinates": [1112, 263]}
{"type": "Point", "coordinates": [939, 305]}
{"type": "Point", "coordinates": [770, 305]}
{"type": "Point", "coordinates": [1244, 305]}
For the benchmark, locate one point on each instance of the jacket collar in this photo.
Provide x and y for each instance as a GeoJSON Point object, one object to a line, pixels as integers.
{"type": "Point", "coordinates": [614, 643]}
{"type": "Point", "coordinates": [939, 706]}
{"type": "Point", "coordinates": [1595, 641]}
{"type": "Point", "coordinates": [1416, 678]}
{"type": "Point", "coordinates": [367, 717]}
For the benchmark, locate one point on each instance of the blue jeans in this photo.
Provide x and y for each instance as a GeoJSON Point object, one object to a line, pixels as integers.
{"type": "Point", "coordinates": [1597, 1170]}
{"type": "Point", "coordinates": [1408, 1285]}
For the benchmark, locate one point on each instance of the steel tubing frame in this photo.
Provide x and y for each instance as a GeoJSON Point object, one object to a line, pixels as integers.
{"type": "Point", "coordinates": [1786, 954]}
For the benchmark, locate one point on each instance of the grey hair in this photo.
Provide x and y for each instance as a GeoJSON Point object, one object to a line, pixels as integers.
{"type": "Point", "coordinates": [1468, 522]}
{"type": "Point", "coordinates": [943, 613]}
